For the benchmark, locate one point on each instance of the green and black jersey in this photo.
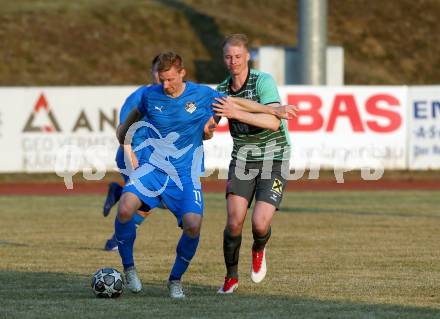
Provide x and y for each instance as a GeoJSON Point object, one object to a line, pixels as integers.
{"type": "Point", "coordinates": [252, 143]}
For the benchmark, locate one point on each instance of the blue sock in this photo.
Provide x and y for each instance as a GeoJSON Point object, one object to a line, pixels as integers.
{"type": "Point", "coordinates": [125, 235]}
{"type": "Point", "coordinates": [138, 219]}
{"type": "Point", "coordinates": [186, 249]}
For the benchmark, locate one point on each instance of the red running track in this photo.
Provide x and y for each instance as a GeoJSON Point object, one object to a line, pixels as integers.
{"type": "Point", "coordinates": [84, 188]}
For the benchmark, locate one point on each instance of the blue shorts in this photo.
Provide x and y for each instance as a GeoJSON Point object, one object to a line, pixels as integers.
{"type": "Point", "coordinates": [156, 187]}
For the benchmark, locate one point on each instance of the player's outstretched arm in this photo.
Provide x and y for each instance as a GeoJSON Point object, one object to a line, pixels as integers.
{"type": "Point", "coordinates": [227, 108]}
{"type": "Point", "coordinates": [287, 111]}
{"type": "Point", "coordinates": [122, 129]}
{"type": "Point", "coordinates": [266, 121]}
{"type": "Point", "coordinates": [281, 111]}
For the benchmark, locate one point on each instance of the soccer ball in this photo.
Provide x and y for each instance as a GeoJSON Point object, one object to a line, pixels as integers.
{"type": "Point", "coordinates": [107, 283]}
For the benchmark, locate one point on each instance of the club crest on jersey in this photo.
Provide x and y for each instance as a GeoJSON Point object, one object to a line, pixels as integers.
{"type": "Point", "coordinates": [190, 107]}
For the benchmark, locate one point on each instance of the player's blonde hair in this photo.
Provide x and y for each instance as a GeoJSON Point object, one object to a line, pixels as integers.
{"type": "Point", "coordinates": [236, 39]}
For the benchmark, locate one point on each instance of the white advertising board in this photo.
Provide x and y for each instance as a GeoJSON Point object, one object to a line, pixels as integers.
{"type": "Point", "coordinates": [39, 122]}
{"type": "Point", "coordinates": [10, 137]}
{"type": "Point", "coordinates": [424, 128]}
{"type": "Point", "coordinates": [337, 127]}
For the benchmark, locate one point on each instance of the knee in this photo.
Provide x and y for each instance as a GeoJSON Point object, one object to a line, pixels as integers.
{"type": "Point", "coordinates": [192, 230]}
{"type": "Point", "coordinates": [234, 227]}
{"type": "Point", "coordinates": [260, 228]}
{"type": "Point", "coordinates": [124, 212]}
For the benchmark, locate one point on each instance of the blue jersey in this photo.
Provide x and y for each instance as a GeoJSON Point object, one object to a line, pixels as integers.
{"type": "Point", "coordinates": [132, 102]}
{"type": "Point", "coordinates": [176, 130]}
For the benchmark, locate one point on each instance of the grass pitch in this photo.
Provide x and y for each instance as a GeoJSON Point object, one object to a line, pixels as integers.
{"type": "Point", "coordinates": [331, 255]}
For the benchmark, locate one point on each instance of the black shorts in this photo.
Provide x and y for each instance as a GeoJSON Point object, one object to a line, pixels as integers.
{"type": "Point", "coordinates": [261, 179]}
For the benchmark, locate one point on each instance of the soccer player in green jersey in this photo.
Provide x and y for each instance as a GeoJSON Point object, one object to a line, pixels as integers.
{"type": "Point", "coordinates": [260, 150]}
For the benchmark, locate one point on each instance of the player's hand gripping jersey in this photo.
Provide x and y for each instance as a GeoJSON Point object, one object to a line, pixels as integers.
{"type": "Point", "coordinates": [259, 87]}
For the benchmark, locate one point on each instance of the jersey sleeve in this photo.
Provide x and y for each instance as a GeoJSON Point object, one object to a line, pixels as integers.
{"type": "Point", "coordinates": [216, 94]}
{"type": "Point", "coordinates": [126, 108]}
{"type": "Point", "coordinates": [131, 102]}
{"type": "Point", "coordinates": [267, 89]}
{"type": "Point", "coordinates": [143, 103]}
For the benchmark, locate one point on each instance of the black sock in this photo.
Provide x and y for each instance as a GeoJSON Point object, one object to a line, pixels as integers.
{"type": "Point", "coordinates": [118, 193]}
{"type": "Point", "coordinates": [231, 251]}
{"type": "Point", "coordinates": [260, 242]}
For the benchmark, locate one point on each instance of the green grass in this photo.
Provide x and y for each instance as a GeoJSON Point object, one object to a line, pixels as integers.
{"type": "Point", "coordinates": [332, 255]}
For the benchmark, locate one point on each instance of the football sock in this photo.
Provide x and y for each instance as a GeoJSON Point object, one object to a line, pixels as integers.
{"type": "Point", "coordinates": [185, 251]}
{"type": "Point", "coordinates": [260, 241]}
{"type": "Point", "coordinates": [138, 219]}
{"type": "Point", "coordinates": [125, 235]}
{"type": "Point", "coordinates": [231, 252]}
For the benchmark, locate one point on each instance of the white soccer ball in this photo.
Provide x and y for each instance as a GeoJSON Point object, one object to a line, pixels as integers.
{"type": "Point", "coordinates": [107, 283]}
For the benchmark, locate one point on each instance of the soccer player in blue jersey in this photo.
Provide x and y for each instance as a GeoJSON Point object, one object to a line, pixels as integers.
{"type": "Point", "coordinates": [178, 115]}
{"type": "Point", "coordinates": [115, 190]}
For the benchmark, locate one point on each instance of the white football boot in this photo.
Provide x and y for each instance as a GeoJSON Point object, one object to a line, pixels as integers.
{"type": "Point", "coordinates": [258, 268]}
{"type": "Point", "coordinates": [132, 279]}
{"type": "Point", "coordinates": [176, 289]}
